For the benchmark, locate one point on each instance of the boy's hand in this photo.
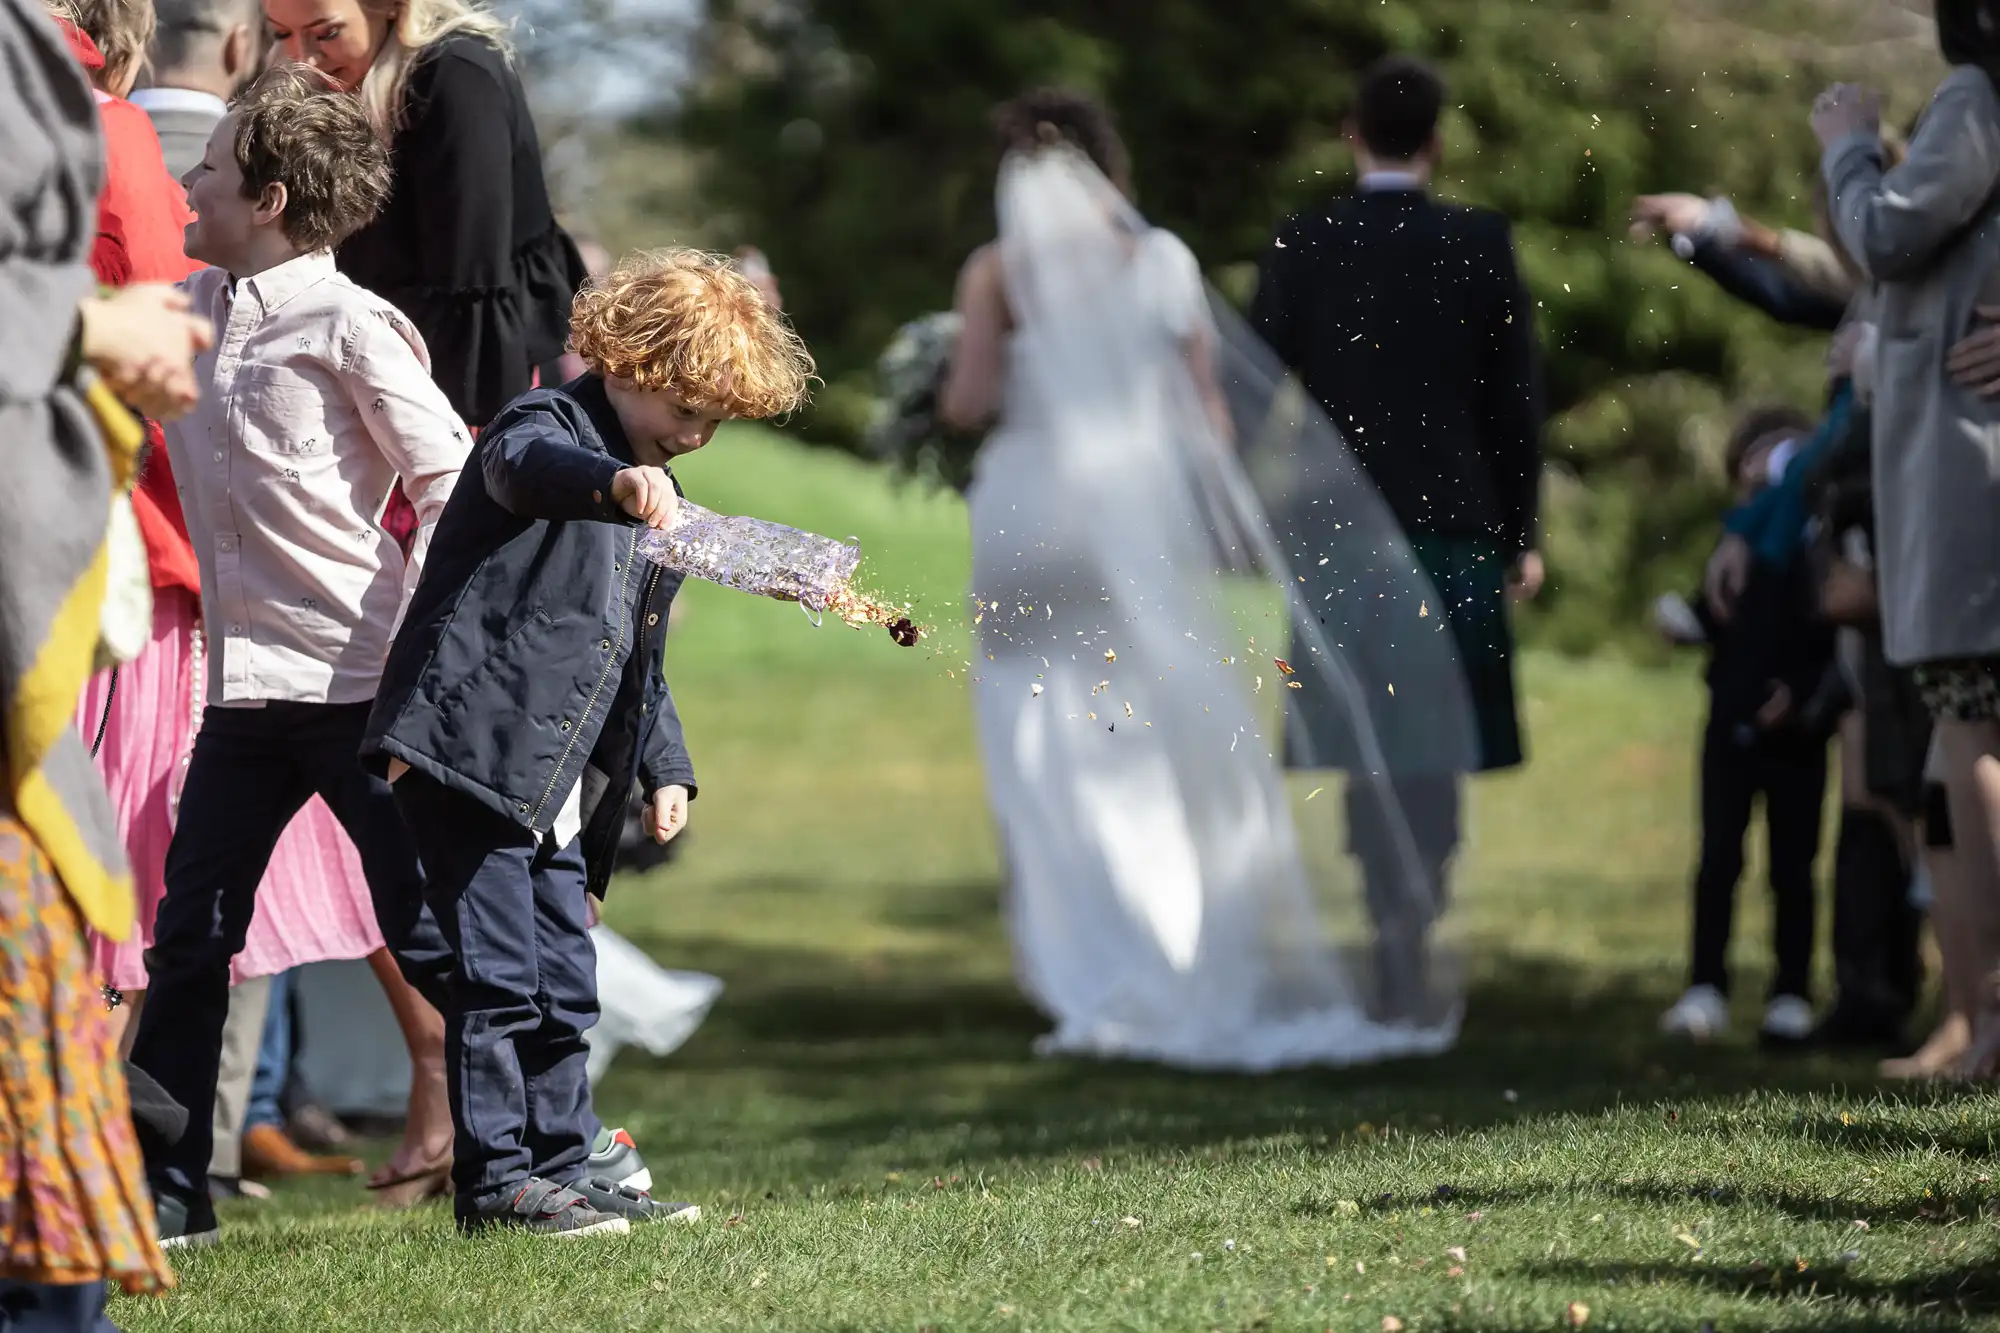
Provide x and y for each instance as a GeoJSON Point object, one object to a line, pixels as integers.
{"type": "Point", "coordinates": [1728, 572]}
{"type": "Point", "coordinates": [647, 493]}
{"type": "Point", "coordinates": [1777, 709]}
{"type": "Point", "coordinates": [666, 814]}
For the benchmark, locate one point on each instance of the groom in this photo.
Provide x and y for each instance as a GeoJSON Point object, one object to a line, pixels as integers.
{"type": "Point", "coordinates": [1407, 320]}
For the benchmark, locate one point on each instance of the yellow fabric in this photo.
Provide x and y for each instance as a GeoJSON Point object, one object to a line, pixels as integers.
{"type": "Point", "coordinates": [38, 714]}
{"type": "Point", "coordinates": [122, 433]}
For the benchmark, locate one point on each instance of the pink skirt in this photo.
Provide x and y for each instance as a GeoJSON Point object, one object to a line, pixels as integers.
{"type": "Point", "coordinates": [313, 905]}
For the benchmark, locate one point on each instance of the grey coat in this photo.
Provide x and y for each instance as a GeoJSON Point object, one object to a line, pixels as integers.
{"type": "Point", "coordinates": [1929, 234]}
{"type": "Point", "coordinates": [56, 500]}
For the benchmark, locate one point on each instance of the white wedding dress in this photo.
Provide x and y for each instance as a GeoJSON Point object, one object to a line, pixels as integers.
{"type": "Point", "coordinates": [1159, 900]}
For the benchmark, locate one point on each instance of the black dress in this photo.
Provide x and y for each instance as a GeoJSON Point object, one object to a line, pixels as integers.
{"type": "Point", "coordinates": [467, 245]}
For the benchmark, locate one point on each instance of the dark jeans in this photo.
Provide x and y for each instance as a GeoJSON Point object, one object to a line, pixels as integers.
{"type": "Point", "coordinates": [1791, 777]}
{"type": "Point", "coordinates": [41, 1307]}
{"type": "Point", "coordinates": [253, 769]}
{"type": "Point", "coordinates": [523, 992]}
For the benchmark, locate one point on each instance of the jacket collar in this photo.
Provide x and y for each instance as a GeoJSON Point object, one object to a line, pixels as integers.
{"type": "Point", "coordinates": [589, 392]}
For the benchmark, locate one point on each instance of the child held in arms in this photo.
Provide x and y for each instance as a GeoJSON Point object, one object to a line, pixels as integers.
{"type": "Point", "coordinates": [316, 401]}
{"type": "Point", "coordinates": [524, 698]}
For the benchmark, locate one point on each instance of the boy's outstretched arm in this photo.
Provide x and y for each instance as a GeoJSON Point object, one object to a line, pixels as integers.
{"type": "Point", "coordinates": [533, 467]}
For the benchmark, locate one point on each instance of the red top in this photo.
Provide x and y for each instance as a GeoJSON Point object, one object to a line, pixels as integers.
{"type": "Point", "coordinates": [141, 221]}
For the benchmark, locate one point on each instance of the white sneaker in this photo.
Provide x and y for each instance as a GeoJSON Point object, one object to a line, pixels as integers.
{"type": "Point", "coordinates": [1701, 1014]}
{"type": "Point", "coordinates": [1677, 620]}
{"type": "Point", "coordinates": [1787, 1018]}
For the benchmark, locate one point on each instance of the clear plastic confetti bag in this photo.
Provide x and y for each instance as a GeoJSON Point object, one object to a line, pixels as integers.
{"type": "Point", "coordinates": [754, 556]}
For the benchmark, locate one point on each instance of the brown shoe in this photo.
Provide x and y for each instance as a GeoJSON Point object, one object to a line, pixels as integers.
{"type": "Point", "coordinates": [268, 1153]}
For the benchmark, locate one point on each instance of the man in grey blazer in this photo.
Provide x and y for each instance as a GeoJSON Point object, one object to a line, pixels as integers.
{"type": "Point", "coordinates": [203, 52]}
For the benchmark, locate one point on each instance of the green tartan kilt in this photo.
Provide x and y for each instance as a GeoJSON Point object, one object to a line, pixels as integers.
{"type": "Point", "coordinates": [1436, 705]}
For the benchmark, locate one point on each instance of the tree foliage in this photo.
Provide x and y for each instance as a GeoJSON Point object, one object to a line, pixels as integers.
{"type": "Point", "coordinates": [848, 138]}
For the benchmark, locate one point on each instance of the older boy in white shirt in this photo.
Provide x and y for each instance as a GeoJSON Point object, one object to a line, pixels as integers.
{"type": "Point", "coordinates": [316, 400]}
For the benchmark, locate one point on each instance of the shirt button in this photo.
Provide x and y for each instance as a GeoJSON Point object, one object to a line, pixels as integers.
{"type": "Point", "coordinates": [225, 548]}
{"type": "Point", "coordinates": [235, 629]}
{"type": "Point", "coordinates": [218, 455]}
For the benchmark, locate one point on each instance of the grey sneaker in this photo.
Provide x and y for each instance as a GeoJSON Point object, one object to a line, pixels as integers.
{"type": "Point", "coordinates": [635, 1206]}
{"type": "Point", "coordinates": [614, 1157]}
{"type": "Point", "coordinates": [185, 1224]}
{"type": "Point", "coordinates": [543, 1208]}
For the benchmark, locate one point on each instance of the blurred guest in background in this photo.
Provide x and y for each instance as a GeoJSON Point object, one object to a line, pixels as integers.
{"type": "Point", "coordinates": [467, 245]}
{"type": "Point", "coordinates": [1935, 448]}
{"type": "Point", "coordinates": [1764, 664]}
{"type": "Point", "coordinates": [203, 53]}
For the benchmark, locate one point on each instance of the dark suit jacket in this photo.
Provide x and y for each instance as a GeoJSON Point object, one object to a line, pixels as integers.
{"type": "Point", "coordinates": [1407, 320]}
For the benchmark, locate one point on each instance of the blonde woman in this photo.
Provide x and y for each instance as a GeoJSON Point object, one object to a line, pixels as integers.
{"type": "Point", "coordinates": [468, 245]}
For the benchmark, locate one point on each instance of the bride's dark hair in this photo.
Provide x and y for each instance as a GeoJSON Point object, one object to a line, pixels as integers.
{"type": "Point", "coordinates": [1060, 115]}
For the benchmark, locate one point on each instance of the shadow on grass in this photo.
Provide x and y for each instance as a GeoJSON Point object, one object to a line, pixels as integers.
{"type": "Point", "coordinates": [1936, 1207]}
{"type": "Point", "coordinates": [1963, 1292]}
{"type": "Point", "coordinates": [920, 1043]}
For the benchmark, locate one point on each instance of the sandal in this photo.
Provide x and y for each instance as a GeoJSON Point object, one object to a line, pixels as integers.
{"type": "Point", "coordinates": [432, 1180]}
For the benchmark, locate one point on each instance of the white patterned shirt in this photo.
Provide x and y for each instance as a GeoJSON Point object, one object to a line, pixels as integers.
{"type": "Point", "coordinates": [315, 400]}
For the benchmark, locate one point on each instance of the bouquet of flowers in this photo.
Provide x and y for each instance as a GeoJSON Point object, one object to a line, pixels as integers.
{"type": "Point", "coordinates": [906, 429]}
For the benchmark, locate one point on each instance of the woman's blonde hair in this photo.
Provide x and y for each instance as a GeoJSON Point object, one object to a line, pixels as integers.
{"type": "Point", "coordinates": [414, 25]}
{"type": "Point", "coordinates": [690, 323]}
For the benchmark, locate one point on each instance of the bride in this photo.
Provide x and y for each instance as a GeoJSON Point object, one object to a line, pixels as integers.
{"type": "Point", "coordinates": [1147, 488]}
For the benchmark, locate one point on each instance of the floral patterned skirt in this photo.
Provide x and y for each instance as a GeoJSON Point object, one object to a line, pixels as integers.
{"type": "Point", "coordinates": [73, 1200]}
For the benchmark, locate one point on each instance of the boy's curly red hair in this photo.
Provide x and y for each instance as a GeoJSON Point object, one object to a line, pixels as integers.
{"type": "Point", "coordinates": [690, 323]}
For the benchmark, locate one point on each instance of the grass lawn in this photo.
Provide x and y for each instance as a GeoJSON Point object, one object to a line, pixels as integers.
{"type": "Point", "coordinates": [876, 1148]}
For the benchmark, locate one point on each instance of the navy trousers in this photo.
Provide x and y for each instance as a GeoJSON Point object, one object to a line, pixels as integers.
{"type": "Point", "coordinates": [42, 1307]}
{"type": "Point", "coordinates": [522, 994]}
{"type": "Point", "coordinates": [253, 769]}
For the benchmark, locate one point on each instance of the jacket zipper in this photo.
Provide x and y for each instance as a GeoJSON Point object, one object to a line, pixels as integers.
{"type": "Point", "coordinates": [576, 732]}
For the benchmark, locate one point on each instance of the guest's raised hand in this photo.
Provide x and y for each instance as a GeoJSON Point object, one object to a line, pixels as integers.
{"type": "Point", "coordinates": [1675, 214]}
{"type": "Point", "coordinates": [143, 342]}
{"type": "Point", "coordinates": [1974, 360]}
{"type": "Point", "coordinates": [647, 494]}
{"type": "Point", "coordinates": [1844, 109]}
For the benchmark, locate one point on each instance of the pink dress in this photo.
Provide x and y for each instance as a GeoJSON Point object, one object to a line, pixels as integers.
{"type": "Point", "coordinates": [313, 905]}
